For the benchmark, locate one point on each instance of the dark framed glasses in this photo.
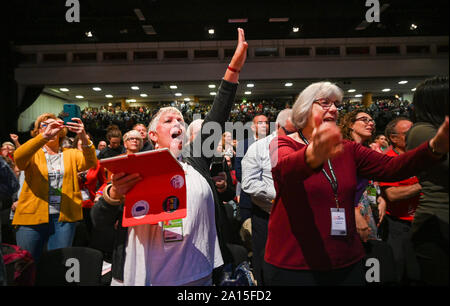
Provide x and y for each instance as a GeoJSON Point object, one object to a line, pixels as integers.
{"type": "Point", "coordinates": [326, 103]}
{"type": "Point", "coordinates": [366, 120]}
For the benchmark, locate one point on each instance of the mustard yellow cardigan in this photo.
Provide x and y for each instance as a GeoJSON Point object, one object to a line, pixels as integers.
{"type": "Point", "coordinates": [32, 207]}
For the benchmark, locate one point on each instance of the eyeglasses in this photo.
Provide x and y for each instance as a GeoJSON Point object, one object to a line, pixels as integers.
{"type": "Point", "coordinates": [326, 103]}
{"type": "Point", "coordinates": [133, 138]}
{"type": "Point", "coordinates": [44, 124]}
{"type": "Point", "coordinates": [366, 120]}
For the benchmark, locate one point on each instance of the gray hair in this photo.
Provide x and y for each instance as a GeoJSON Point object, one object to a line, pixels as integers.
{"type": "Point", "coordinates": [193, 129]}
{"type": "Point", "coordinates": [155, 120]}
{"type": "Point", "coordinates": [302, 106]}
{"type": "Point", "coordinates": [283, 116]}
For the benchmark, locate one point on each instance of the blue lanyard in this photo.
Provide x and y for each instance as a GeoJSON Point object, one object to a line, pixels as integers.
{"type": "Point", "coordinates": [333, 181]}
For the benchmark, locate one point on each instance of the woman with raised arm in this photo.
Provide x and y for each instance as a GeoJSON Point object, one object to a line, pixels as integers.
{"type": "Point", "coordinates": [50, 201]}
{"type": "Point", "coordinates": [148, 258]}
{"type": "Point", "coordinates": [315, 173]}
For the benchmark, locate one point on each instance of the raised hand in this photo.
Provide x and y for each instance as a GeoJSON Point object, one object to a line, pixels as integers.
{"type": "Point", "coordinates": [238, 59]}
{"type": "Point", "coordinates": [326, 143]}
{"type": "Point", "coordinates": [52, 129]}
{"type": "Point", "coordinates": [439, 143]}
{"type": "Point", "coordinates": [76, 127]}
{"type": "Point", "coordinates": [14, 137]}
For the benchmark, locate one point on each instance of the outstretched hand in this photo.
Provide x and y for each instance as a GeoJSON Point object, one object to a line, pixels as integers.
{"type": "Point", "coordinates": [238, 59]}
{"type": "Point", "coordinates": [52, 129]}
{"type": "Point", "coordinates": [326, 143]}
{"type": "Point", "coordinates": [439, 142]}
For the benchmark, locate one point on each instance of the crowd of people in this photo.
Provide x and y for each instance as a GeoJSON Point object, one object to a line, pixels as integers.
{"type": "Point", "coordinates": [303, 204]}
{"type": "Point", "coordinates": [97, 120]}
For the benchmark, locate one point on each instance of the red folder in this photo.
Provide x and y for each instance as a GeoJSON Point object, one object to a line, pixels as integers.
{"type": "Point", "coordinates": [160, 195]}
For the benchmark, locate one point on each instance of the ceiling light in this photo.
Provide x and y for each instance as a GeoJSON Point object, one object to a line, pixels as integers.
{"type": "Point", "coordinates": [289, 84]}
{"type": "Point", "coordinates": [64, 89]}
{"type": "Point", "coordinates": [248, 92]}
{"type": "Point", "coordinates": [108, 96]}
{"type": "Point", "coordinates": [414, 89]}
{"type": "Point", "coordinates": [130, 100]}
{"type": "Point", "coordinates": [96, 89]}
{"type": "Point", "coordinates": [178, 94]}
{"type": "Point", "coordinates": [211, 31]}
{"type": "Point", "coordinates": [386, 90]}
{"type": "Point", "coordinates": [213, 93]}
{"type": "Point", "coordinates": [282, 19]}
{"type": "Point", "coordinates": [187, 99]}
{"type": "Point", "coordinates": [351, 90]}
{"type": "Point", "coordinates": [135, 87]}
{"type": "Point", "coordinates": [173, 87]}
{"type": "Point", "coordinates": [358, 96]}
{"type": "Point", "coordinates": [139, 14]}
{"type": "Point", "coordinates": [237, 20]}
{"type": "Point", "coordinates": [250, 85]}
{"type": "Point", "coordinates": [79, 97]}
{"type": "Point", "coordinates": [109, 104]}
{"type": "Point", "coordinates": [211, 86]}
{"type": "Point", "coordinates": [148, 29]}
{"type": "Point", "coordinates": [295, 29]}
{"type": "Point", "coordinates": [143, 95]}
{"type": "Point", "coordinates": [403, 82]}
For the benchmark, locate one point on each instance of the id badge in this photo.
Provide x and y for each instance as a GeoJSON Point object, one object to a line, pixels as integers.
{"type": "Point", "coordinates": [338, 225]}
{"type": "Point", "coordinates": [85, 194]}
{"type": "Point", "coordinates": [55, 199]}
{"type": "Point", "coordinates": [173, 230]}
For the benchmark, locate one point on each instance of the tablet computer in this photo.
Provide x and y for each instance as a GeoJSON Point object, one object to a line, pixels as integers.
{"type": "Point", "coordinates": [160, 195]}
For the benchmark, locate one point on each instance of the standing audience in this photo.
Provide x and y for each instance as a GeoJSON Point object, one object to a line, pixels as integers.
{"type": "Point", "coordinates": [312, 237]}
{"type": "Point", "coordinates": [401, 198]}
{"type": "Point", "coordinates": [257, 182]}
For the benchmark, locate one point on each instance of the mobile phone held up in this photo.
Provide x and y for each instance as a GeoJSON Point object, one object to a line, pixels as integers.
{"type": "Point", "coordinates": [71, 111]}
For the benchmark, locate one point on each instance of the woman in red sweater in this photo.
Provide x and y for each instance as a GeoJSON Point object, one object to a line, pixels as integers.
{"type": "Point", "coordinates": [315, 173]}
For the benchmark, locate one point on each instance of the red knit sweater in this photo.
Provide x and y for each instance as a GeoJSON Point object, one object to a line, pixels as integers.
{"type": "Point", "coordinates": [300, 222]}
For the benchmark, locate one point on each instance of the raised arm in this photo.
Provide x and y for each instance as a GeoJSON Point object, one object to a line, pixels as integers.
{"type": "Point", "coordinates": [214, 122]}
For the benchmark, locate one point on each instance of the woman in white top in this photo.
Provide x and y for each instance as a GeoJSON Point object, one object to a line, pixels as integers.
{"type": "Point", "coordinates": [150, 259]}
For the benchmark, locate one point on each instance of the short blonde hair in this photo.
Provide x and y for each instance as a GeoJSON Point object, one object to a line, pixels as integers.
{"type": "Point", "coordinates": [42, 118]}
{"type": "Point", "coordinates": [301, 109]}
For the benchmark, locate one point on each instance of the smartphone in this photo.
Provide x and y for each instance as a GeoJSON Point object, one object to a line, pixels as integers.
{"type": "Point", "coordinates": [71, 111]}
{"type": "Point", "coordinates": [217, 167]}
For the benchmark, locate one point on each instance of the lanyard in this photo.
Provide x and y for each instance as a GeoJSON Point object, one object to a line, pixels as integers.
{"type": "Point", "coordinates": [395, 151]}
{"type": "Point", "coordinates": [333, 181]}
{"type": "Point", "coordinates": [56, 172]}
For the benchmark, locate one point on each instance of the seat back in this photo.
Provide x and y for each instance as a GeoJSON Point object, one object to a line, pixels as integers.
{"type": "Point", "coordinates": [72, 266]}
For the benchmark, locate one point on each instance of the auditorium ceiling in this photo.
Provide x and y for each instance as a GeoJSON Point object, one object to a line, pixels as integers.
{"type": "Point", "coordinates": [101, 21]}
{"type": "Point", "coordinates": [44, 22]}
